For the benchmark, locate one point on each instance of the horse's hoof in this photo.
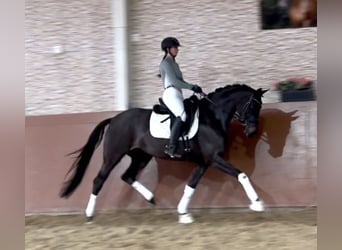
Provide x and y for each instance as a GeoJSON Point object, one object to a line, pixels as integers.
{"type": "Point", "coordinates": [185, 218]}
{"type": "Point", "coordinates": [152, 201]}
{"type": "Point", "coordinates": [257, 206]}
{"type": "Point", "coordinates": [89, 220]}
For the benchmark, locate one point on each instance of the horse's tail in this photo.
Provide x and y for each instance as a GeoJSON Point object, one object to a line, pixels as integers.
{"type": "Point", "coordinates": [81, 163]}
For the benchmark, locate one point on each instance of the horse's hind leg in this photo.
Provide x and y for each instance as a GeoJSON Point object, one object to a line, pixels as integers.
{"type": "Point", "coordinates": [139, 161]}
{"type": "Point", "coordinates": [107, 167]}
{"type": "Point", "coordinates": [182, 208]}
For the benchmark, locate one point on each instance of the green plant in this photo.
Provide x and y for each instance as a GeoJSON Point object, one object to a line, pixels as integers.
{"type": "Point", "coordinates": [296, 83]}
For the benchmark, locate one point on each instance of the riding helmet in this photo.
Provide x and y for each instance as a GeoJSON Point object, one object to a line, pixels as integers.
{"type": "Point", "coordinates": [169, 42]}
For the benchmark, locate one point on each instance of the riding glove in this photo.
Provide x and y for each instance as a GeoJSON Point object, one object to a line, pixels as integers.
{"type": "Point", "coordinates": [197, 89]}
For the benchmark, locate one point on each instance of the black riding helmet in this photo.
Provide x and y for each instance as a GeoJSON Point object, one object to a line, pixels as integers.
{"type": "Point", "coordinates": [169, 42]}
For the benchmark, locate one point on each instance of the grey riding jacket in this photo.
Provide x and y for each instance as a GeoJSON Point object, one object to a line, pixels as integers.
{"type": "Point", "coordinates": [171, 74]}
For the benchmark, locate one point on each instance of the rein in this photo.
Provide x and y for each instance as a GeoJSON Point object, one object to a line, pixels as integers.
{"type": "Point", "coordinates": [205, 96]}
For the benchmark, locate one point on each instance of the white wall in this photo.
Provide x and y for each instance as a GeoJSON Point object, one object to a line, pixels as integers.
{"type": "Point", "coordinates": [223, 43]}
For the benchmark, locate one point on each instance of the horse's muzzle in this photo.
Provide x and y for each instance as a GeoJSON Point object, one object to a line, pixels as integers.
{"type": "Point", "coordinates": [250, 130]}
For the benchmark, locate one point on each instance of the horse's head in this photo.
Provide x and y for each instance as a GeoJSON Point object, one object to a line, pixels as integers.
{"type": "Point", "coordinates": [248, 108]}
{"type": "Point", "coordinates": [237, 100]}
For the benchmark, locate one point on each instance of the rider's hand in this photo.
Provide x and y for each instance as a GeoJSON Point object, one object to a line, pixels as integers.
{"type": "Point", "coordinates": [197, 89]}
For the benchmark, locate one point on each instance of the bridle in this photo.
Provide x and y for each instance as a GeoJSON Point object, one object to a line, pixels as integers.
{"type": "Point", "coordinates": [237, 115]}
{"type": "Point", "coordinates": [241, 116]}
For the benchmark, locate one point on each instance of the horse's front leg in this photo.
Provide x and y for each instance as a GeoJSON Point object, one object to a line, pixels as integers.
{"type": "Point", "coordinates": [182, 208]}
{"type": "Point", "coordinates": [256, 203]}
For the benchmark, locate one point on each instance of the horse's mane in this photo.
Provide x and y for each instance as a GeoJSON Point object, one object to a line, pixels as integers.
{"type": "Point", "coordinates": [228, 89]}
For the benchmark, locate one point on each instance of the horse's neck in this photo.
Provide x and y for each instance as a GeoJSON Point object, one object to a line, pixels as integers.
{"type": "Point", "coordinates": [217, 118]}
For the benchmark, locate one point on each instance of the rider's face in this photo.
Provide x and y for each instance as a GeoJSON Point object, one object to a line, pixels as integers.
{"type": "Point", "coordinates": [173, 51]}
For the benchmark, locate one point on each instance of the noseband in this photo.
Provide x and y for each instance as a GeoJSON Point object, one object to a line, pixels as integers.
{"type": "Point", "coordinates": [241, 116]}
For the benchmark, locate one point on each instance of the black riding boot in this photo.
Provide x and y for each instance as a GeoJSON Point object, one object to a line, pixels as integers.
{"type": "Point", "coordinates": [175, 133]}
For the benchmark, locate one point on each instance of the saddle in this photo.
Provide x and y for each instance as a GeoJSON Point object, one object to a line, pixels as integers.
{"type": "Point", "coordinates": [190, 107]}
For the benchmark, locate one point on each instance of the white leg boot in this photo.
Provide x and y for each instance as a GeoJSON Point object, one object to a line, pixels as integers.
{"type": "Point", "coordinates": [142, 190]}
{"type": "Point", "coordinates": [256, 204]}
{"type": "Point", "coordinates": [183, 215]}
{"type": "Point", "coordinates": [91, 207]}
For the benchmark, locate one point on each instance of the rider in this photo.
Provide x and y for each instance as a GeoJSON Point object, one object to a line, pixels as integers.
{"type": "Point", "coordinates": [173, 82]}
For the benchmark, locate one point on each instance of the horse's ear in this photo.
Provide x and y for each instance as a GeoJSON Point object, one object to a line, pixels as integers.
{"type": "Point", "coordinates": [261, 91]}
{"type": "Point", "coordinates": [291, 115]}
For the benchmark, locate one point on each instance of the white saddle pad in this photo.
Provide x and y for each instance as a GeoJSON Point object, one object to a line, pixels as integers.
{"type": "Point", "coordinates": [161, 129]}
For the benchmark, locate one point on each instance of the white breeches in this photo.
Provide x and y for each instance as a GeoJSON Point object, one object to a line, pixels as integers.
{"type": "Point", "coordinates": [173, 98]}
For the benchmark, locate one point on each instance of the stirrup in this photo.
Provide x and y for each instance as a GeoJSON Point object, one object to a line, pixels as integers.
{"type": "Point", "coordinates": [172, 155]}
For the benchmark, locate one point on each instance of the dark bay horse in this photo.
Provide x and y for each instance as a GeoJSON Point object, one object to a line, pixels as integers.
{"type": "Point", "coordinates": [128, 134]}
